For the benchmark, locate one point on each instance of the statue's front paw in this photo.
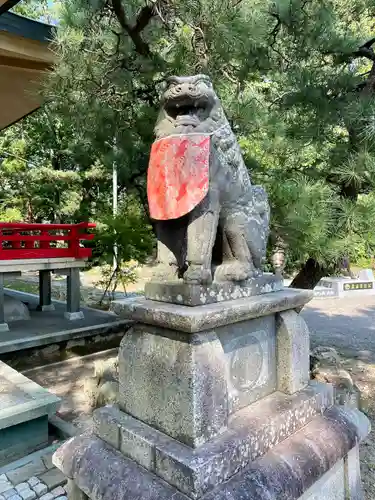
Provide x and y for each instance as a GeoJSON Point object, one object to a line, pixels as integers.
{"type": "Point", "coordinates": [234, 271]}
{"type": "Point", "coordinates": [165, 272]}
{"type": "Point", "coordinates": [198, 275]}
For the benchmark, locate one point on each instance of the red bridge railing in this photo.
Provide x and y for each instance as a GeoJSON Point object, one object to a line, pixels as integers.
{"type": "Point", "coordinates": [40, 241]}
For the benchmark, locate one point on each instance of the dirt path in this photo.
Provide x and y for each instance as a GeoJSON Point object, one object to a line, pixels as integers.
{"type": "Point", "coordinates": [66, 379]}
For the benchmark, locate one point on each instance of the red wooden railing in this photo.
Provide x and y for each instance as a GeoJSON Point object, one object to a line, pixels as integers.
{"type": "Point", "coordinates": [40, 241]}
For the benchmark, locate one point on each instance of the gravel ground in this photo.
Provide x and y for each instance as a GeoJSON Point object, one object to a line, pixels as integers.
{"type": "Point", "coordinates": [347, 324]}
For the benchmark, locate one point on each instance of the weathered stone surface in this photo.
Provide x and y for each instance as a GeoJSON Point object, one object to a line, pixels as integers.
{"type": "Point", "coordinates": [33, 481]}
{"type": "Point", "coordinates": [24, 410]}
{"type": "Point", "coordinates": [250, 354]}
{"type": "Point", "coordinates": [73, 492]}
{"type": "Point", "coordinates": [27, 494]}
{"type": "Point", "coordinates": [176, 383]}
{"type": "Point", "coordinates": [25, 471]}
{"type": "Point", "coordinates": [5, 485]}
{"type": "Point", "coordinates": [15, 497]}
{"type": "Point", "coordinates": [58, 492]}
{"type": "Point", "coordinates": [9, 493]}
{"type": "Point", "coordinates": [287, 471]}
{"type": "Point", "coordinates": [251, 433]}
{"type": "Point", "coordinates": [293, 352]}
{"type": "Point", "coordinates": [14, 309]}
{"type": "Point", "coordinates": [353, 475]}
{"type": "Point", "coordinates": [47, 496]}
{"type": "Point", "coordinates": [53, 478]}
{"type": "Point", "coordinates": [22, 486]}
{"type": "Point", "coordinates": [318, 446]}
{"type": "Point", "coordinates": [186, 294]}
{"type": "Point", "coordinates": [329, 487]}
{"type": "Point", "coordinates": [23, 439]}
{"type": "Point", "coordinates": [196, 319]}
{"type": "Point", "coordinates": [40, 489]}
{"type": "Point", "coordinates": [82, 458]}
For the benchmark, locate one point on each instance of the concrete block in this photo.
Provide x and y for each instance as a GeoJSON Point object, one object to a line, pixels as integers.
{"type": "Point", "coordinates": [22, 486]}
{"type": "Point", "coordinates": [14, 309]}
{"type": "Point", "coordinates": [331, 486]}
{"type": "Point", "coordinates": [293, 352]}
{"type": "Point", "coordinates": [174, 382]}
{"type": "Point", "coordinates": [47, 496]}
{"type": "Point", "coordinates": [73, 492]}
{"type": "Point", "coordinates": [27, 471]}
{"type": "Point", "coordinates": [9, 493]}
{"type": "Point", "coordinates": [33, 481]}
{"type": "Point", "coordinates": [47, 460]}
{"type": "Point", "coordinates": [74, 316]}
{"type": "Point", "coordinates": [22, 439]}
{"type": "Point", "coordinates": [58, 492]}
{"type": "Point", "coordinates": [27, 494]}
{"type": "Point", "coordinates": [40, 489]}
{"type": "Point", "coordinates": [5, 485]}
{"type": "Point", "coordinates": [353, 484]}
{"type": "Point", "coordinates": [53, 478]}
{"type": "Point", "coordinates": [107, 428]}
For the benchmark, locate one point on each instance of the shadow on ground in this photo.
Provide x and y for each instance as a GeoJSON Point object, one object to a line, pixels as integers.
{"type": "Point", "coordinates": [348, 325]}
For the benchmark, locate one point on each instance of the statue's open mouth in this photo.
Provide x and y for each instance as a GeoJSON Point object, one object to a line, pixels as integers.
{"type": "Point", "coordinates": [187, 112]}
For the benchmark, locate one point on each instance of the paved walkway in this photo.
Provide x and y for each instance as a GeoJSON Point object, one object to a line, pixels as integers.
{"type": "Point", "coordinates": [347, 324]}
{"type": "Point", "coordinates": [34, 477]}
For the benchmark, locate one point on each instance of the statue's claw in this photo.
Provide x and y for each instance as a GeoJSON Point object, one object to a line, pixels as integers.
{"type": "Point", "coordinates": [198, 275]}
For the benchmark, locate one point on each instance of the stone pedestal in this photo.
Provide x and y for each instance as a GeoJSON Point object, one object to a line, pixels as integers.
{"type": "Point", "coordinates": [216, 403]}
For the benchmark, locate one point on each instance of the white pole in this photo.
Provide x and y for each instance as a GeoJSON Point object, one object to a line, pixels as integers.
{"type": "Point", "coordinates": [114, 201]}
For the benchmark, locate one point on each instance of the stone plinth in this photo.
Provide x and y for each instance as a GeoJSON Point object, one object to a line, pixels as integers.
{"type": "Point", "coordinates": [24, 411]}
{"type": "Point", "coordinates": [216, 403]}
{"type": "Point", "coordinates": [198, 295]}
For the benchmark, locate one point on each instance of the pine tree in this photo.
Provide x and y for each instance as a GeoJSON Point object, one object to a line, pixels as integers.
{"type": "Point", "coordinates": [296, 78]}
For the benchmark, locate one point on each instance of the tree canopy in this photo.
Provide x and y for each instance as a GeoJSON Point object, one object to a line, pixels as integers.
{"type": "Point", "coordinates": [296, 78]}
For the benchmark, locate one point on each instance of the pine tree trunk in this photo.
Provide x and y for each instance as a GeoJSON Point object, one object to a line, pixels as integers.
{"type": "Point", "coordinates": [309, 275]}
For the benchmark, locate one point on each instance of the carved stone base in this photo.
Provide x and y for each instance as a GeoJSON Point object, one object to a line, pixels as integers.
{"type": "Point", "coordinates": [215, 403]}
{"type": "Point", "coordinates": [178, 292]}
{"type": "Point", "coordinates": [251, 433]}
{"type": "Point", "coordinates": [320, 458]}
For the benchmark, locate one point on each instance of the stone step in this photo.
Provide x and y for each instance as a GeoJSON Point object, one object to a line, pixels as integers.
{"type": "Point", "coordinates": [252, 432]}
{"type": "Point", "coordinates": [24, 411]}
{"type": "Point", "coordinates": [299, 467]}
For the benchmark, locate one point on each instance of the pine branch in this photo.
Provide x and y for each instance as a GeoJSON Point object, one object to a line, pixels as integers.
{"type": "Point", "coordinates": [276, 29]}
{"type": "Point", "coordinates": [134, 32]}
{"type": "Point", "coordinates": [366, 52]}
{"type": "Point", "coordinates": [143, 19]}
{"type": "Point", "coordinates": [368, 44]}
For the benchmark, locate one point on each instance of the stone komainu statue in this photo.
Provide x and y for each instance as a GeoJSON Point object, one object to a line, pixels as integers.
{"type": "Point", "coordinates": [211, 222]}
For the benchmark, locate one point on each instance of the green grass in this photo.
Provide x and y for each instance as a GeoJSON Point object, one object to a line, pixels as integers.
{"type": "Point", "coordinates": [22, 286]}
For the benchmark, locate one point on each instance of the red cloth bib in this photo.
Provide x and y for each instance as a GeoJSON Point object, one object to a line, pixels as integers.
{"type": "Point", "coordinates": [178, 175]}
